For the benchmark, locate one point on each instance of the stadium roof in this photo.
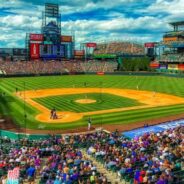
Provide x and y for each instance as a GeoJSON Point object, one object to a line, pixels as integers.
{"type": "Point", "coordinates": [179, 23]}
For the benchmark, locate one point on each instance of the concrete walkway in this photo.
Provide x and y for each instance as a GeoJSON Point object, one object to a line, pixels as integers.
{"type": "Point", "coordinates": [111, 176]}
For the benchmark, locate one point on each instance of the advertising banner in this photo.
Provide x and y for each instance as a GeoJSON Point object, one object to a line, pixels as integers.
{"type": "Point", "coordinates": [36, 37]}
{"type": "Point", "coordinates": [79, 52]}
{"type": "Point", "coordinates": [170, 39]}
{"type": "Point", "coordinates": [173, 66]}
{"type": "Point", "coordinates": [66, 38]}
{"type": "Point", "coordinates": [154, 65]}
{"type": "Point", "coordinates": [162, 66]}
{"type": "Point", "coordinates": [181, 66]}
{"type": "Point", "coordinates": [157, 128]}
{"type": "Point", "coordinates": [149, 45]}
{"type": "Point", "coordinates": [100, 73]}
{"type": "Point", "coordinates": [105, 56]}
{"type": "Point", "coordinates": [35, 50]}
{"type": "Point", "coordinates": [92, 45]}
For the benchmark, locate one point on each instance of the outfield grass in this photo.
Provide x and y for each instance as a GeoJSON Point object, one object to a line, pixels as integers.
{"type": "Point", "coordinates": [12, 106]}
{"type": "Point", "coordinates": [103, 101]}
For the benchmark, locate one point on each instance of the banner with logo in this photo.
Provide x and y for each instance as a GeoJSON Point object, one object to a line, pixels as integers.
{"type": "Point", "coordinates": [92, 45]}
{"type": "Point", "coordinates": [79, 52]}
{"type": "Point", "coordinates": [66, 38]}
{"type": "Point", "coordinates": [149, 45]}
{"type": "Point", "coordinates": [155, 128]}
{"type": "Point", "coordinates": [36, 37]}
{"type": "Point", "coordinates": [34, 50]}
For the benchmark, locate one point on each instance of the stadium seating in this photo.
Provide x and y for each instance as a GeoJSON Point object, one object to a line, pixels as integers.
{"type": "Point", "coordinates": [56, 160]}
{"type": "Point", "coordinates": [151, 158]}
{"type": "Point", "coordinates": [171, 58]}
{"type": "Point", "coordinates": [119, 48]}
{"type": "Point", "coordinates": [55, 67]}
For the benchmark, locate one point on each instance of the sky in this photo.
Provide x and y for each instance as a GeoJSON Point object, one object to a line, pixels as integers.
{"type": "Point", "coordinates": [91, 20]}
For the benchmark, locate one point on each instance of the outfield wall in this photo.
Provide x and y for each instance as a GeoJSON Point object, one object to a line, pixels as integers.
{"type": "Point", "coordinates": [17, 136]}
{"type": "Point", "coordinates": [105, 73]}
{"type": "Point", "coordinates": [129, 134]}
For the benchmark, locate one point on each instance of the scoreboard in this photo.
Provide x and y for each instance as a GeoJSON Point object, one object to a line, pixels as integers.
{"type": "Point", "coordinates": [52, 51]}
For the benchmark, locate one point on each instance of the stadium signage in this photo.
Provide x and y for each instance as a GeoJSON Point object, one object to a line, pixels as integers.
{"type": "Point", "coordinates": [79, 52]}
{"type": "Point", "coordinates": [36, 37]}
{"type": "Point", "coordinates": [100, 73]}
{"type": "Point", "coordinates": [163, 66]}
{"type": "Point", "coordinates": [52, 51]}
{"type": "Point", "coordinates": [154, 65]}
{"type": "Point", "coordinates": [170, 39]}
{"type": "Point", "coordinates": [157, 128]}
{"type": "Point", "coordinates": [173, 66]}
{"type": "Point", "coordinates": [92, 45]}
{"type": "Point", "coordinates": [35, 51]}
{"type": "Point", "coordinates": [181, 66]}
{"type": "Point", "coordinates": [149, 45]}
{"type": "Point", "coordinates": [66, 38]}
{"type": "Point", "coordinates": [51, 10]}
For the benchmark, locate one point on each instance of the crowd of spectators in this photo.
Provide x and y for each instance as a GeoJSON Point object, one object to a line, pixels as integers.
{"type": "Point", "coordinates": [149, 159]}
{"type": "Point", "coordinates": [119, 48]}
{"type": "Point", "coordinates": [55, 67]}
{"type": "Point", "coordinates": [154, 158]}
{"type": "Point", "coordinates": [53, 161]}
{"type": "Point", "coordinates": [171, 58]}
{"type": "Point", "coordinates": [102, 66]}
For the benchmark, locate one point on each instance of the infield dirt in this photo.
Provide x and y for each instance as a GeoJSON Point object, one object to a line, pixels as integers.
{"type": "Point", "coordinates": [147, 98]}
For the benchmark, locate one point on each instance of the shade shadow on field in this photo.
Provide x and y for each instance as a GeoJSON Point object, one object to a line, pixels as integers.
{"type": "Point", "coordinates": [8, 99]}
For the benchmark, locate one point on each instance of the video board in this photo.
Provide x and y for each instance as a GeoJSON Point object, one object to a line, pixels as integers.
{"type": "Point", "coordinates": [51, 10]}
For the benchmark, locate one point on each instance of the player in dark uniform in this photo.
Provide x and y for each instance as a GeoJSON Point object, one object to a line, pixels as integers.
{"type": "Point", "coordinates": [51, 114]}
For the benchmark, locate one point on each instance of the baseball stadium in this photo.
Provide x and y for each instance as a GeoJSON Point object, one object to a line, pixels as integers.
{"type": "Point", "coordinates": [109, 112]}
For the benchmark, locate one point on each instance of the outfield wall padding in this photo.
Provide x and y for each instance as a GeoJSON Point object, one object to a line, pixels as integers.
{"type": "Point", "coordinates": [142, 73]}
{"type": "Point", "coordinates": [17, 136]}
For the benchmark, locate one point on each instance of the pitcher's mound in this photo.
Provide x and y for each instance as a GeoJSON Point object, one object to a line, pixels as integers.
{"type": "Point", "coordinates": [85, 101]}
{"type": "Point", "coordinates": [63, 117]}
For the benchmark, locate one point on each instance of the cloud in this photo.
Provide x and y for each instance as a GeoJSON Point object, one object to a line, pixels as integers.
{"type": "Point", "coordinates": [169, 6]}
{"type": "Point", "coordinates": [20, 22]}
{"type": "Point", "coordinates": [117, 24]}
{"type": "Point", "coordinates": [97, 20]}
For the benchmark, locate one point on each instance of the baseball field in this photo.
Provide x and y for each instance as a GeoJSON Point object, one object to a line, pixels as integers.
{"type": "Point", "coordinates": [106, 99]}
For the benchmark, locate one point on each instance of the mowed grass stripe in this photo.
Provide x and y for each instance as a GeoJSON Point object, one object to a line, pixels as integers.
{"type": "Point", "coordinates": [53, 103]}
{"type": "Point", "coordinates": [169, 85]}
{"type": "Point", "coordinates": [135, 117]}
{"type": "Point", "coordinates": [67, 102]}
{"type": "Point", "coordinates": [144, 111]}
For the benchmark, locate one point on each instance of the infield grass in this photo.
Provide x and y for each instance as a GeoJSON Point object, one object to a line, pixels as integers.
{"type": "Point", "coordinates": [103, 101]}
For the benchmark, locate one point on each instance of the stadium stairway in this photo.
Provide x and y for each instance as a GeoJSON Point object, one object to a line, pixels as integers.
{"type": "Point", "coordinates": [111, 176]}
